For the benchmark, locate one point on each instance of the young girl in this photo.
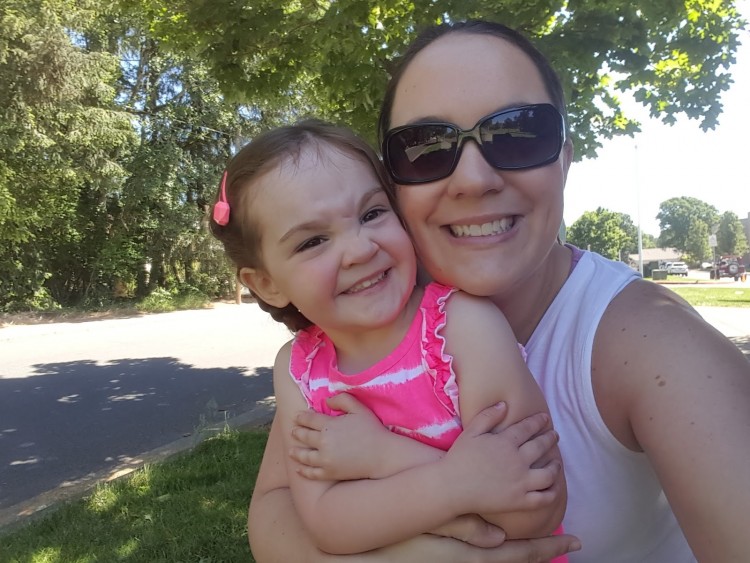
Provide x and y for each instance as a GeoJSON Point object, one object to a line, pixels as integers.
{"type": "Point", "coordinates": [306, 214]}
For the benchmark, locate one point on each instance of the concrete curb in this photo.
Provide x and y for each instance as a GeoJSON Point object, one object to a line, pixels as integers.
{"type": "Point", "coordinates": [15, 516]}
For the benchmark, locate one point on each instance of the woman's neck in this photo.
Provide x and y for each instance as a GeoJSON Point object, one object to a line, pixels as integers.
{"type": "Point", "coordinates": [524, 305]}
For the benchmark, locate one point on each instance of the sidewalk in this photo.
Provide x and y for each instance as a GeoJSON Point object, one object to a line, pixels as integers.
{"type": "Point", "coordinates": [732, 322]}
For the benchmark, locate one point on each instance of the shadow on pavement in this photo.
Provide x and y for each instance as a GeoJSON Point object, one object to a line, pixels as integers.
{"type": "Point", "coordinates": [743, 343]}
{"type": "Point", "coordinates": [70, 420]}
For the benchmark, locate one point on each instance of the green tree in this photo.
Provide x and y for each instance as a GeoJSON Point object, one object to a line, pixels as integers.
{"type": "Point", "coordinates": [631, 232]}
{"type": "Point", "coordinates": [187, 131]}
{"type": "Point", "coordinates": [685, 223]}
{"type": "Point", "coordinates": [648, 241]}
{"type": "Point", "coordinates": [62, 141]}
{"type": "Point", "coordinates": [336, 56]}
{"type": "Point", "coordinates": [730, 237]}
{"type": "Point", "coordinates": [696, 248]}
{"type": "Point", "coordinates": [603, 231]}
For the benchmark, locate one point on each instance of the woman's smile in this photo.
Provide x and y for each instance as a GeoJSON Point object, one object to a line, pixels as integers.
{"type": "Point", "coordinates": [482, 230]}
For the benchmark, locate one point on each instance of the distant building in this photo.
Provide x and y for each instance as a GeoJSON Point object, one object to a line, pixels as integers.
{"type": "Point", "coordinates": [653, 257]}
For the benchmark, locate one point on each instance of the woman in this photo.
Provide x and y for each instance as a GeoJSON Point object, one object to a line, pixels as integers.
{"type": "Point", "coordinates": [649, 400]}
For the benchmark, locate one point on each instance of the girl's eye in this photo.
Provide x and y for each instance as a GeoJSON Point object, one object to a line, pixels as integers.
{"type": "Point", "coordinates": [373, 214]}
{"type": "Point", "coordinates": [309, 243]}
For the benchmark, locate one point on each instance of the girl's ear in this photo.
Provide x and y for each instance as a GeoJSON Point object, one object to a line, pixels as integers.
{"type": "Point", "coordinates": [261, 284]}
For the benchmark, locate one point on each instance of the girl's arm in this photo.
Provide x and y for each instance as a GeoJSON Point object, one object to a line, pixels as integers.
{"type": "Point", "coordinates": [670, 385]}
{"type": "Point", "coordinates": [355, 516]}
{"type": "Point", "coordinates": [489, 368]}
{"type": "Point", "coordinates": [334, 450]}
{"type": "Point", "coordinates": [277, 535]}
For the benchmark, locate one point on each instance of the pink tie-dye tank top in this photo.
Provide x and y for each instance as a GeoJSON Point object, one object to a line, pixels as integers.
{"type": "Point", "coordinates": [412, 391]}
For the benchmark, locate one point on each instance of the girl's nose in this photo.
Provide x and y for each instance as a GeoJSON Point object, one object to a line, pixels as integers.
{"type": "Point", "coordinates": [473, 175]}
{"type": "Point", "coordinates": [360, 248]}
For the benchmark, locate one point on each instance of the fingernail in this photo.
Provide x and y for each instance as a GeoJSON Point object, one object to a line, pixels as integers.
{"type": "Point", "coordinates": [500, 405]}
{"type": "Point", "coordinates": [575, 545]}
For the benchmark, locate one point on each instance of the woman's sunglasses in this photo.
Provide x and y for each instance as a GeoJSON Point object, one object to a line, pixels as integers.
{"type": "Point", "coordinates": [512, 139]}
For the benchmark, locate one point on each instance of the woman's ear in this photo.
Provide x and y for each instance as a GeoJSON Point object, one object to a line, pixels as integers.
{"type": "Point", "coordinates": [263, 286]}
{"type": "Point", "coordinates": [567, 154]}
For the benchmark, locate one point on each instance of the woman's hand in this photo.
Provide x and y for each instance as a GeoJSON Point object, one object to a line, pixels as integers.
{"type": "Point", "coordinates": [434, 549]}
{"type": "Point", "coordinates": [472, 529]}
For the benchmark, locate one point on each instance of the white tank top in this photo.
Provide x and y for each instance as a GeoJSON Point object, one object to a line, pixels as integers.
{"type": "Point", "coordinates": [615, 503]}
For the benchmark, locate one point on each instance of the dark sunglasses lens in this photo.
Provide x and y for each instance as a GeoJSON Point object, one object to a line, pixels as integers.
{"type": "Point", "coordinates": [421, 153]}
{"type": "Point", "coordinates": [522, 138]}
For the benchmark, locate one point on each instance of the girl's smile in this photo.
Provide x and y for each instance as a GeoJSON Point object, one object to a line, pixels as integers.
{"type": "Point", "coordinates": [331, 244]}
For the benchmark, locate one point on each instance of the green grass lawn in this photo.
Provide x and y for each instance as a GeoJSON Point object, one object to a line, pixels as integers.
{"type": "Point", "coordinates": [192, 508]}
{"type": "Point", "coordinates": [707, 296]}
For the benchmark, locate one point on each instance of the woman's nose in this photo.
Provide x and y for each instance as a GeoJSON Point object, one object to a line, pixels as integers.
{"type": "Point", "coordinates": [473, 175]}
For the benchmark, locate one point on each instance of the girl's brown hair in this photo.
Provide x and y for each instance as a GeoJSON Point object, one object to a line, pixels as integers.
{"type": "Point", "coordinates": [241, 236]}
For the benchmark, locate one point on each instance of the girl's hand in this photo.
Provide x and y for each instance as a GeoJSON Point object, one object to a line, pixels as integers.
{"type": "Point", "coordinates": [495, 471]}
{"type": "Point", "coordinates": [340, 448]}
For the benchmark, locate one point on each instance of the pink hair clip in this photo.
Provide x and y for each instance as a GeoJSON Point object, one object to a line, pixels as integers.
{"type": "Point", "coordinates": [221, 207]}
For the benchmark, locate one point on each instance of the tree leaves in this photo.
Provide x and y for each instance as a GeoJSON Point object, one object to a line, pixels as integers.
{"type": "Point", "coordinates": [335, 55]}
{"type": "Point", "coordinates": [609, 233]}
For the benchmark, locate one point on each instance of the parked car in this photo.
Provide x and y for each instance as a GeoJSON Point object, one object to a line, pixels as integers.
{"type": "Point", "coordinates": [677, 269]}
{"type": "Point", "coordinates": [729, 267]}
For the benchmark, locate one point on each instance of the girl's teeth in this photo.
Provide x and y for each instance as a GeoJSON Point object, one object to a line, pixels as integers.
{"type": "Point", "coordinates": [365, 284]}
{"type": "Point", "coordinates": [485, 229]}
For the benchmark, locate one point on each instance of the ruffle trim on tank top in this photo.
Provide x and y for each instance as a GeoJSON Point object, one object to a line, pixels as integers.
{"type": "Point", "coordinates": [438, 363]}
{"type": "Point", "coordinates": [307, 343]}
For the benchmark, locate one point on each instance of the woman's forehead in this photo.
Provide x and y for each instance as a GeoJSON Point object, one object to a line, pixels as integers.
{"type": "Point", "coordinates": [461, 77]}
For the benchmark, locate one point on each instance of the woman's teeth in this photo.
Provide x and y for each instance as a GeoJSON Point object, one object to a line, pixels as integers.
{"type": "Point", "coordinates": [485, 229]}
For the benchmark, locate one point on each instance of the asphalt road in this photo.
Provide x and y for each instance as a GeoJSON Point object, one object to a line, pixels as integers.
{"type": "Point", "coordinates": [80, 399]}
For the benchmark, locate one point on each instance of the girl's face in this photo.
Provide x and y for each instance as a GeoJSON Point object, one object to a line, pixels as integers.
{"type": "Point", "coordinates": [480, 229]}
{"type": "Point", "coordinates": [330, 243]}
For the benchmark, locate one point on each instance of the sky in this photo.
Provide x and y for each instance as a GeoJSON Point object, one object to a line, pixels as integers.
{"type": "Point", "coordinates": [634, 175]}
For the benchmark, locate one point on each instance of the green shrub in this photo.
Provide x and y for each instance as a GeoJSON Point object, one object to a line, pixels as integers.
{"type": "Point", "coordinates": [159, 300]}
{"type": "Point", "coordinates": [163, 300]}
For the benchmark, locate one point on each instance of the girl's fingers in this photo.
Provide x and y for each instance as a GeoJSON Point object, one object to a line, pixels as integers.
{"type": "Point", "coordinates": [541, 479]}
{"type": "Point", "coordinates": [345, 402]}
{"type": "Point", "coordinates": [308, 437]}
{"type": "Point", "coordinates": [310, 419]}
{"type": "Point", "coordinates": [313, 473]}
{"type": "Point", "coordinates": [487, 419]}
{"type": "Point", "coordinates": [305, 456]}
{"type": "Point", "coordinates": [524, 430]}
{"type": "Point", "coordinates": [536, 448]}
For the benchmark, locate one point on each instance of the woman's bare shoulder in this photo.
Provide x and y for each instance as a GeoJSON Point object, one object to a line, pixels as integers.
{"type": "Point", "coordinates": [648, 340]}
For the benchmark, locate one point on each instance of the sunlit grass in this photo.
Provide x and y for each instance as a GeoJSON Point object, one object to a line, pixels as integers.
{"type": "Point", "coordinates": [702, 296]}
{"type": "Point", "coordinates": [192, 508]}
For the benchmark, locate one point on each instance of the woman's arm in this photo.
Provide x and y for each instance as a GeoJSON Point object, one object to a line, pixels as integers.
{"type": "Point", "coordinates": [355, 516]}
{"type": "Point", "coordinates": [669, 384]}
{"type": "Point", "coordinates": [489, 368]}
{"type": "Point", "coordinates": [277, 535]}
